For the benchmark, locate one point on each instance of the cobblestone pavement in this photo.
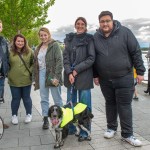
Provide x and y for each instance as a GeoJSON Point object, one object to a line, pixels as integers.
{"type": "Point", "coordinates": [32, 137]}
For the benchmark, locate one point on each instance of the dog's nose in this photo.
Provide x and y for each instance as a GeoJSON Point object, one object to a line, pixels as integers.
{"type": "Point", "coordinates": [54, 116]}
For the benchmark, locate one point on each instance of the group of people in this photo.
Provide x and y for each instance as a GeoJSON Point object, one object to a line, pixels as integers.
{"type": "Point", "coordinates": [107, 58]}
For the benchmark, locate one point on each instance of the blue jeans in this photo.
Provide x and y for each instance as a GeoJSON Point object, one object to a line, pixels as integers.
{"type": "Point", "coordinates": [2, 81]}
{"type": "Point", "coordinates": [44, 93]}
{"type": "Point", "coordinates": [118, 95]}
{"type": "Point", "coordinates": [84, 96]}
{"type": "Point", "coordinates": [18, 93]}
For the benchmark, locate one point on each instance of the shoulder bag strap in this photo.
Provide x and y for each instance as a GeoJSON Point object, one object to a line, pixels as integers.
{"type": "Point", "coordinates": [24, 63]}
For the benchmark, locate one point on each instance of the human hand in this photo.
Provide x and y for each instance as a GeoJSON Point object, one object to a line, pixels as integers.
{"type": "Point", "coordinates": [74, 73]}
{"type": "Point", "coordinates": [96, 81]}
{"type": "Point", "coordinates": [71, 78]}
{"type": "Point", "coordinates": [55, 82]}
{"type": "Point", "coordinates": [140, 79]}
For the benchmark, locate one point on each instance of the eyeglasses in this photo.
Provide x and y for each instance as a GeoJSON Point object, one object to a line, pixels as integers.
{"type": "Point", "coordinates": [105, 21]}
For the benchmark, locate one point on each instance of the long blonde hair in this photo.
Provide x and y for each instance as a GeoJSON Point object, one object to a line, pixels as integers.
{"type": "Point", "coordinates": [45, 30]}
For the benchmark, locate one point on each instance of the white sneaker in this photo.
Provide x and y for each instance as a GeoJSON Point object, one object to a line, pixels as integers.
{"type": "Point", "coordinates": [28, 118]}
{"type": "Point", "coordinates": [109, 133]}
{"type": "Point", "coordinates": [14, 119]}
{"type": "Point", "coordinates": [133, 141]}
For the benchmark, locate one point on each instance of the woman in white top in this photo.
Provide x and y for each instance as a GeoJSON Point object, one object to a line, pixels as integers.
{"type": "Point", "coordinates": [48, 72]}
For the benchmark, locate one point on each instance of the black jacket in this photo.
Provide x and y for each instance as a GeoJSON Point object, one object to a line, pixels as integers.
{"type": "Point", "coordinates": [4, 56]}
{"type": "Point", "coordinates": [117, 54]}
{"type": "Point", "coordinates": [79, 53]}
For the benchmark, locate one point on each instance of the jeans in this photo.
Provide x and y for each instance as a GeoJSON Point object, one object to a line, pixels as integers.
{"type": "Point", "coordinates": [84, 96]}
{"type": "Point", "coordinates": [2, 81]}
{"type": "Point", "coordinates": [18, 93]}
{"type": "Point", "coordinates": [44, 93]}
{"type": "Point", "coordinates": [118, 95]}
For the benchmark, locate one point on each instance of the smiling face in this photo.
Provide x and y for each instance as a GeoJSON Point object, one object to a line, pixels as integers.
{"type": "Point", "coordinates": [20, 43]}
{"type": "Point", "coordinates": [106, 24]}
{"type": "Point", "coordinates": [80, 27]}
{"type": "Point", "coordinates": [44, 36]}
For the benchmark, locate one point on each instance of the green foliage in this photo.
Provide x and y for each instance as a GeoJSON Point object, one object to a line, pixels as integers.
{"type": "Point", "coordinates": [145, 49]}
{"type": "Point", "coordinates": [21, 16]}
{"type": "Point", "coordinates": [33, 38]}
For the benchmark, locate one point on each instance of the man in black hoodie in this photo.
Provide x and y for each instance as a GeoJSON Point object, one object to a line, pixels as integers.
{"type": "Point", "coordinates": [117, 52]}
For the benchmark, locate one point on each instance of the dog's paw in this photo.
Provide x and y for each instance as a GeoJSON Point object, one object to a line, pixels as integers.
{"type": "Point", "coordinates": [56, 146]}
{"type": "Point", "coordinates": [62, 143]}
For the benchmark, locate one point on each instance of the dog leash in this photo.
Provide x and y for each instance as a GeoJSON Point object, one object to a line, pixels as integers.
{"type": "Point", "coordinates": [70, 101]}
{"type": "Point", "coordinates": [71, 92]}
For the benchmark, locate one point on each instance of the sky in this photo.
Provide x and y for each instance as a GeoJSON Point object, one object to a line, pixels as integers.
{"type": "Point", "coordinates": [134, 14]}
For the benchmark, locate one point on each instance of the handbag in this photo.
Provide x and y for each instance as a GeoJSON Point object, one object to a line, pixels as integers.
{"type": "Point", "coordinates": [25, 66]}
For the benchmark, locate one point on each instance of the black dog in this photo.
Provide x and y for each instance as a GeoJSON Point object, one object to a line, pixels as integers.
{"type": "Point", "coordinates": [61, 117]}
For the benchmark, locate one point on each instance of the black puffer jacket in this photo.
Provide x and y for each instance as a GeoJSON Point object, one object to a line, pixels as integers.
{"type": "Point", "coordinates": [80, 53]}
{"type": "Point", "coordinates": [117, 54]}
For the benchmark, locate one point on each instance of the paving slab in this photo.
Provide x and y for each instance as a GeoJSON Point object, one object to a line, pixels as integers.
{"type": "Point", "coordinates": [32, 137]}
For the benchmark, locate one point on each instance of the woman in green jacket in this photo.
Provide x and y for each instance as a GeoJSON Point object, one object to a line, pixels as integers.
{"type": "Point", "coordinates": [48, 72]}
{"type": "Point", "coordinates": [19, 77]}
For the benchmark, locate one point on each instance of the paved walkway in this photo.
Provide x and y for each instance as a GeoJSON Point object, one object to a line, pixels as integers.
{"type": "Point", "coordinates": [32, 137]}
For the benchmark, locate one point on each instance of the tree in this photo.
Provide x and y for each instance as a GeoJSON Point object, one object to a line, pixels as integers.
{"type": "Point", "coordinates": [21, 16]}
{"type": "Point", "coordinates": [33, 38]}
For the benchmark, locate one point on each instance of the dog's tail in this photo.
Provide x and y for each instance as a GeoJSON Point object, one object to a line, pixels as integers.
{"type": "Point", "coordinates": [91, 115]}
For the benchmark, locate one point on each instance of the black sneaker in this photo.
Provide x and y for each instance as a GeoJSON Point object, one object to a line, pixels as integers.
{"type": "Point", "coordinates": [2, 100]}
{"type": "Point", "coordinates": [135, 98]}
{"type": "Point", "coordinates": [81, 139]}
{"type": "Point", "coordinates": [46, 123]}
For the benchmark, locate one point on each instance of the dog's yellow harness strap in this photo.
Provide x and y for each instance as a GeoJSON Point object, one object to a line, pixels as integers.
{"type": "Point", "coordinates": [67, 116]}
{"type": "Point", "coordinates": [79, 108]}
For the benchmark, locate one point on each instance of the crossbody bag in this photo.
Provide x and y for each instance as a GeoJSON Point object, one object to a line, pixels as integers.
{"type": "Point", "coordinates": [25, 65]}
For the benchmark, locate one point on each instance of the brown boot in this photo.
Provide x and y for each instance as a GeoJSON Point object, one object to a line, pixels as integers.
{"type": "Point", "coordinates": [6, 126]}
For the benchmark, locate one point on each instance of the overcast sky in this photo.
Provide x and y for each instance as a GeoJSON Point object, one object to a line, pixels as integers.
{"type": "Point", "coordinates": [134, 14]}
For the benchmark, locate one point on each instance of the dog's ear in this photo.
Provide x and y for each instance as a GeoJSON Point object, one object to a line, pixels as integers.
{"type": "Point", "coordinates": [50, 111]}
{"type": "Point", "coordinates": [60, 112]}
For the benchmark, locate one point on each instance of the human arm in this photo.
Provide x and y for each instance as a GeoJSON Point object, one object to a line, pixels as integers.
{"type": "Point", "coordinates": [135, 53]}
{"type": "Point", "coordinates": [58, 64]}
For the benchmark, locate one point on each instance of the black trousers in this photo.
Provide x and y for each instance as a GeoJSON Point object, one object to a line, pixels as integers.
{"type": "Point", "coordinates": [118, 95]}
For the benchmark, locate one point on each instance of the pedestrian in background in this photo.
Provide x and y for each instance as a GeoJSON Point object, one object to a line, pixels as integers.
{"type": "Point", "coordinates": [135, 97]}
{"type": "Point", "coordinates": [48, 67]}
{"type": "Point", "coordinates": [148, 61]}
{"type": "Point", "coordinates": [4, 65]}
{"type": "Point", "coordinates": [117, 51]}
{"type": "Point", "coordinates": [19, 77]}
{"type": "Point", "coordinates": [78, 58]}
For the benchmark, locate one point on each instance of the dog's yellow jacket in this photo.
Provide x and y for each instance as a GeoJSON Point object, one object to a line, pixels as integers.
{"type": "Point", "coordinates": [68, 113]}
